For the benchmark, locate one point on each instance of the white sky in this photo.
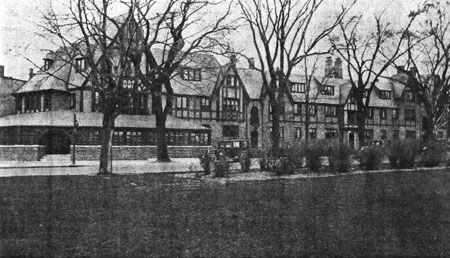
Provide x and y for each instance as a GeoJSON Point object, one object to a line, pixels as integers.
{"type": "Point", "coordinates": [20, 41]}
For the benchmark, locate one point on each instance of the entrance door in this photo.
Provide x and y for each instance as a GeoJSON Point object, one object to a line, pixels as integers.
{"type": "Point", "coordinates": [351, 139]}
{"type": "Point", "coordinates": [55, 142]}
{"type": "Point", "coordinates": [254, 139]}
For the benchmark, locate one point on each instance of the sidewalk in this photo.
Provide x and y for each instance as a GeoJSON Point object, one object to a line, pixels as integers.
{"type": "Point", "coordinates": [37, 168]}
{"type": "Point", "coordinates": [42, 168]}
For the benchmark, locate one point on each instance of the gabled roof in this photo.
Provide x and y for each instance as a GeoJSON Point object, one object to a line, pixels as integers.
{"type": "Point", "coordinates": [64, 118]}
{"type": "Point", "coordinates": [61, 77]}
{"type": "Point", "coordinates": [252, 81]}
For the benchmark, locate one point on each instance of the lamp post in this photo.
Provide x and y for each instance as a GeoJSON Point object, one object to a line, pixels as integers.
{"type": "Point", "coordinates": [74, 137]}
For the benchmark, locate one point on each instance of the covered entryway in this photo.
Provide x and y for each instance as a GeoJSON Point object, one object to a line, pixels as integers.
{"type": "Point", "coordinates": [55, 142]}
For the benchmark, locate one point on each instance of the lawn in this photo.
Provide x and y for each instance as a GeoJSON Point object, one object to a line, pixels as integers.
{"type": "Point", "coordinates": [403, 213]}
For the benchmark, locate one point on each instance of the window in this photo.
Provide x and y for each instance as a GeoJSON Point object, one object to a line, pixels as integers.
{"type": "Point", "coordinates": [368, 133]}
{"type": "Point", "coordinates": [298, 132]}
{"type": "Point", "coordinates": [396, 134]}
{"type": "Point", "coordinates": [440, 135]}
{"type": "Point", "coordinates": [73, 100]}
{"type": "Point", "coordinates": [410, 134]}
{"type": "Point", "coordinates": [352, 99]}
{"type": "Point", "coordinates": [205, 104]}
{"type": "Point", "coordinates": [231, 105]}
{"type": "Point", "coordinates": [298, 87]}
{"type": "Point", "coordinates": [383, 134]}
{"type": "Point", "coordinates": [312, 133]}
{"type": "Point", "coordinates": [254, 116]}
{"type": "Point", "coordinates": [96, 101]}
{"type": "Point", "coordinates": [47, 101]}
{"type": "Point", "coordinates": [410, 115]}
{"type": "Point", "coordinates": [383, 113]}
{"type": "Point", "coordinates": [330, 111]}
{"type": "Point", "coordinates": [370, 113]}
{"type": "Point", "coordinates": [182, 102]}
{"type": "Point", "coordinates": [384, 94]}
{"type": "Point", "coordinates": [128, 84]}
{"type": "Point", "coordinates": [191, 74]}
{"type": "Point", "coordinates": [330, 133]}
{"type": "Point", "coordinates": [312, 110]}
{"type": "Point", "coordinates": [18, 104]}
{"type": "Point", "coordinates": [230, 131]}
{"type": "Point", "coordinates": [327, 90]}
{"type": "Point", "coordinates": [230, 81]}
{"type": "Point", "coordinates": [48, 63]}
{"type": "Point", "coordinates": [409, 96]}
{"type": "Point", "coordinates": [395, 114]}
{"type": "Point", "coordinates": [366, 93]}
{"type": "Point", "coordinates": [80, 64]}
{"type": "Point", "coordinates": [297, 108]}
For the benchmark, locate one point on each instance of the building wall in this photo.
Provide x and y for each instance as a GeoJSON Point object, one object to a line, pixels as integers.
{"type": "Point", "coordinates": [8, 86]}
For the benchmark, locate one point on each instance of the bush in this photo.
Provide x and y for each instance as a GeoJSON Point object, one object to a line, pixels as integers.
{"type": "Point", "coordinates": [245, 160]}
{"type": "Point", "coordinates": [433, 153]}
{"type": "Point", "coordinates": [221, 168]}
{"type": "Point", "coordinates": [205, 161]}
{"type": "Point", "coordinates": [339, 157]}
{"type": "Point", "coordinates": [314, 152]}
{"type": "Point", "coordinates": [403, 153]}
{"type": "Point", "coordinates": [370, 157]}
{"type": "Point", "coordinates": [283, 167]}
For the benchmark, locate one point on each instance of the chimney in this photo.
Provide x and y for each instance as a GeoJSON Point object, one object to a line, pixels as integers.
{"type": "Point", "coordinates": [2, 71]}
{"type": "Point", "coordinates": [233, 59]}
{"type": "Point", "coordinates": [328, 67]}
{"type": "Point", "coordinates": [413, 71]}
{"type": "Point", "coordinates": [31, 73]}
{"type": "Point", "coordinates": [251, 63]}
{"type": "Point", "coordinates": [338, 73]}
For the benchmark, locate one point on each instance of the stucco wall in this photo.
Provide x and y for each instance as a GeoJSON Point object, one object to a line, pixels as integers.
{"type": "Point", "coordinates": [21, 152]}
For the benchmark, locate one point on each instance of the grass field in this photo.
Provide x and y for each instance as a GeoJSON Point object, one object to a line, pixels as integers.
{"type": "Point", "coordinates": [405, 213]}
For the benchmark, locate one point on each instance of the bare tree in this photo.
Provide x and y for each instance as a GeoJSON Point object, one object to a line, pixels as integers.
{"type": "Point", "coordinates": [103, 45]}
{"type": "Point", "coordinates": [283, 35]}
{"type": "Point", "coordinates": [428, 76]}
{"type": "Point", "coordinates": [368, 54]}
{"type": "Point", "coordinates": [170, 39]}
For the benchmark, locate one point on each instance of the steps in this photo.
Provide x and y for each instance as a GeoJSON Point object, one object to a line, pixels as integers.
{"type": "Point", "coordinates": [57, 159]}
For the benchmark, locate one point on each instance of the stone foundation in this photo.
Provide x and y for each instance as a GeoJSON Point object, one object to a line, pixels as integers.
{"type": "Point", "coordinates": [92, 152]}
{"type": "Point", "coordinates": [21, 152]}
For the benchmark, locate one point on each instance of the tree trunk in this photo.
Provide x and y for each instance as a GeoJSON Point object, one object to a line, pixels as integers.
{"type": "Point", "coordinates": [428, 129]}
{"type": "Point", "coordinates": [106, 144]}
{"type": "Point", "coordinates": [361, 120]}
{"type": "Point", "coordinates": [275, 126]}
{"type": "Point", "coordinates": [162, 154]}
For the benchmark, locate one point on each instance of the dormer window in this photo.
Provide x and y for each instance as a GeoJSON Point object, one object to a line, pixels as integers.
{"type": "Point", "coordinates": [48, 62]}
{"type": "Point", "coordinates": [298, 87]}
{"type": "Point", "coordinates": [191, 74]}
{"type": "Point", "coordinates": [384, 94]}
{"type": "Point", "coordinates": [327, 90]}
{"type": "Point", "coordinates": [409, 95]}
{"type": "Point", "coordinates": [80, 64]}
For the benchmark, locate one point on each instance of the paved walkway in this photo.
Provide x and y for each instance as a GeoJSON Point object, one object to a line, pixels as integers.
{"type": "Point", "coordinates": [40, 168]}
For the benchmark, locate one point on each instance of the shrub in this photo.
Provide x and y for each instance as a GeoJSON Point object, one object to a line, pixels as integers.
{"type": "Point", "coordinates": [339, 157]}
{"type": "Point", "coordinates": [403, 153]}
{"type": "Point", "coordinates": [205, 161]}
{"type": "Point", "coordinates": [283, 166]}
{"type": "Point", "coordinates": [314, 151]}
{"type": "Point", "coordinates": [433, 153]}
{"type": "Point", "coordinates": [370, 157]}
{"type": "Point", "coordinates": [221, 168]}
{"type": "Point", "coordinates": [245, 160]}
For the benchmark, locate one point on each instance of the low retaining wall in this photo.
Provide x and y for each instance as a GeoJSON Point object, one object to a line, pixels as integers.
{"type": "Point", "coordinates": [92, 152]}
{"type": "Point", "coordinates": [21, 152]}
{"type": "Point", "coordinates": [87, 152]}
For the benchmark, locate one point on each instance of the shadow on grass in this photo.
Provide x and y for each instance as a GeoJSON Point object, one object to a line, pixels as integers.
{"type": "Point", "coordinates": [160, 215]}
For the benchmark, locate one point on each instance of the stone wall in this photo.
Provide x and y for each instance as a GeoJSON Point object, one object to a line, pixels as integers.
{"type": "Point", "coordinates": [87, 152]}
{"type": "Point", "coordinates": [21, 152]}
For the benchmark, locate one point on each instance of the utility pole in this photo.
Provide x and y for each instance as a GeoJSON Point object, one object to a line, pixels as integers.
{"type": "Point", "coordinates": [74, 137]}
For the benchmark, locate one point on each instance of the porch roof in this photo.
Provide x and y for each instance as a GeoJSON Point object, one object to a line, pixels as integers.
{"type": "Point", "coordinates": [64, 118]}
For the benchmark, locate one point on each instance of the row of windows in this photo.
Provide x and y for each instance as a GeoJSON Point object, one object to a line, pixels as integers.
{"type": "Point", "coordinates": [191, 74]}
{"type": "Point", "coordinates": [183, 102]}
{"type": "Point", "coordinates": [331, 133]}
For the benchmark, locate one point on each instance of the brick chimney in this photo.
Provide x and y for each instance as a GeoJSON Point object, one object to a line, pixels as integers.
{"type": "Point", "coordinates": [31, 73]}
{"type": "Point", "coordinates": [2, 71]}
{"type": "Point", "coordinates": [251, 63]}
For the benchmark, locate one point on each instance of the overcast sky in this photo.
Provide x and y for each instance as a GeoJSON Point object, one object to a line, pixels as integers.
{"type": "Point", "coordinates": [20, 41]}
